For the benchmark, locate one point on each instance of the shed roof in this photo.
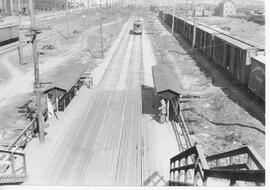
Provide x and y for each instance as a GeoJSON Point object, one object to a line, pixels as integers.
{"type": "Point", "coordinates": [165, 81]}
{"type": "Point", "coordinates": [65, 77]}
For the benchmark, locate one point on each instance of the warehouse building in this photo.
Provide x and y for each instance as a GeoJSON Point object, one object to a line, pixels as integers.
{"type": "Point", "coordinates": [10, 7]}
{"type": "Point", "coordinates": [225, 8]}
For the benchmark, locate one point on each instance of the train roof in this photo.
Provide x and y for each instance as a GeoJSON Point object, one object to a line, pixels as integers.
{"type": "Point", "coordinates": [235, 42]}
{"type": "Point", "coordinates": [8, 26]}
{"type": "Point", "coordinates": [259, 58]}
{"type": "Point", "coordinates": [227, 36]}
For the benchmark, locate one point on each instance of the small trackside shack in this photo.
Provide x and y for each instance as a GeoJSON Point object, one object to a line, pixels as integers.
{"type": "Point", "coordinates": [64, 84]}
{"type": "Point", "coordinates": [166, 86]}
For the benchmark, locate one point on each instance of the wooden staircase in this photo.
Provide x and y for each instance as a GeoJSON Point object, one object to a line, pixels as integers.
{"type": "Point", "coordinates": [237, 167]}
{"type": "Point", "coordinates": [13, 167]}
{"type": "Point", "coordinates": [242, 166]}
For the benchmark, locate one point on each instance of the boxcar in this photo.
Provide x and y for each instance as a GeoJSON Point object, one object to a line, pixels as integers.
{"type": "Point", "coordinates": [230, 52]}
{"type": "Point", "coordinates": [9, 34]}
{"type": "Point", "coordinates": [257, 76]}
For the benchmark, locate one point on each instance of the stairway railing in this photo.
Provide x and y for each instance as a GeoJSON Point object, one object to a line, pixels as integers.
{"type": "Point", "coordinates": [181, 163]}
{"type": "Point", "coordinates": [23, 134]}
{"type": "Point", "coordinates": [251, 170]}
{"type": "Point", "coordinates": [13, 167]}
{"type": "Point", "coordinates": [248, 163]}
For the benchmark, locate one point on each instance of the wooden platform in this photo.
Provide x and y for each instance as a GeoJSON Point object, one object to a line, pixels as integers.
{"type": "Point", "coordinates": [109, 135]}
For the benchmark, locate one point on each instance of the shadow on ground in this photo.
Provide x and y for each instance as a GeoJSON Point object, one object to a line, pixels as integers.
{"type": "Point", "coordinates": [154, 179]}
{"type": "Point", "coordinates": [150, 102]}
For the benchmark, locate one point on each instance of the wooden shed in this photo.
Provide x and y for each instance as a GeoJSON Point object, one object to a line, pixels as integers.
{"type": "Point", "coordinates": [64, 84]}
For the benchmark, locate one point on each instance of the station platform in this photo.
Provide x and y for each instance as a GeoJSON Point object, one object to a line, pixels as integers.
{"type": "Point", "coordinates": [109, 135]}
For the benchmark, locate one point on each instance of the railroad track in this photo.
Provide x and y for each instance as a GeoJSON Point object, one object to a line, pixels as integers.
{"type": "Point", "coordinates": [55, 30]}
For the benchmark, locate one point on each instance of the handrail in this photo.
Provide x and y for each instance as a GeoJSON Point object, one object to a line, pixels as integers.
{"type": "Point", "coordinates": [257, 176]}
{"type": "Point", "coordinates": [199, 163]}
{"type": "Point", "coordinates": [21, 134]}
{"type": "Point", "coordinates": [232, 172]}
{"type": "Point", "coordinates": [11, 152]}
{"type": "Point", "coordinates": [243, 150]}
{"type": "Point", "coordinates": [12, 165]}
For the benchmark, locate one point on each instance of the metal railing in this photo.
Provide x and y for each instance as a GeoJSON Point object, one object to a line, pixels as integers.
{"type": "Point", "coordinates": [253, 170]}
{"type": "Point", "coordinates": [23, 134]}
{"type": "Point", "coordinates": [181, 163]}
{"type": "Point", "coordinates": [13, 167]}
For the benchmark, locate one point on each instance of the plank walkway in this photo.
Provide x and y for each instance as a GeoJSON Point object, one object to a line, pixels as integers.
{"type": "Point", "coordinates": [110, 140]}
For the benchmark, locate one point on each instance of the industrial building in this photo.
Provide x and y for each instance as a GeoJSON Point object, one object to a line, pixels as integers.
{"type": "Point", "coordinates": [225, 8]}
{"type": "Point", "coordinates": [10, 7]}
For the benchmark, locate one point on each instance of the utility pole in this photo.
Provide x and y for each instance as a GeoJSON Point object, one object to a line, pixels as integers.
{"type": "Point", "coordinates": [163, 11]}
{"type": "Point", "coordinates": [20, 37]}
{"type": "Point", "coordinates": [11, 8]}
{"type": "Point", "coordinates": [106, 8]}
{"type": "Point", "coordinates": [101, 39]}
{"type": "Point", "coordinates": [88, 13]}
{"type": "Point", "coordinates": [37, 90]}
{"type": "Point", "coordinates": [173, 17]}
{"type": "Point", "coordinates": [186, 9]}
{"type": "Point", "coordinates": [194, 26]}
{"type": "Point", "coordinates": [67, 16]}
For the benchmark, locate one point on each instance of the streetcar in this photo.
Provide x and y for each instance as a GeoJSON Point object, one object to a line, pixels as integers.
{"type": "Point", "coordinates": [137, 27]}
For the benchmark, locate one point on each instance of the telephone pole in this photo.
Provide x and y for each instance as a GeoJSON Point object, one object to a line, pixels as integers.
{"type": "Point", "coordinates": [186, 9]}
{"type": "Point", "coordinates": [11, 8]}
{"type": "Point", "coordinates": [101, 39]}
{"type": "Point", "coordinates": [194, 26]}
{"type": "Point", "coordinates": [20, 37]}
{"type": "Point", "coordinates": [173, 17]}
{"type": "Point", "coordinates": [67, 16]}
{"type": "Point", "coordinates": [37, 89]}
{"type": "Point", "coordinates": [88, 13]}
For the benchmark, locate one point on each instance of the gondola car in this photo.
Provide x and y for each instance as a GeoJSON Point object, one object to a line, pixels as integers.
{"type": "Point", "coordinates": [9, 34]}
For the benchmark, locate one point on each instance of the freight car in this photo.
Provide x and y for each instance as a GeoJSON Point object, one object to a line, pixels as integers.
{"type": "Point", "coordinates": [9, 34]}
{"type": "Point", "coordinates": [257, 76]}
{"type": "Point", "coordinates": [229, 52]}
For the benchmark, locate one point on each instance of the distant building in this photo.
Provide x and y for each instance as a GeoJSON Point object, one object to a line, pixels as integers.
{"type": "Point", "coordinates": [258, 18]}
{"type": "Point", "coordinates": [225, 8]}
{"type": "Point", "coordinates": [202, 10]}
{"type": "Point", "coordinates": [50, 4]}
{"type": "Point", "coordinates": [10, 7]}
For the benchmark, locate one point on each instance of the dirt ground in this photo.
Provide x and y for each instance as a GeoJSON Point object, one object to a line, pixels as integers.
{"type": "Point", "coordinates": [240, 27]}
{"type": "Point", "coordinates": [83, 46]}
{"type": "Point", "coordinates": [219, 113]}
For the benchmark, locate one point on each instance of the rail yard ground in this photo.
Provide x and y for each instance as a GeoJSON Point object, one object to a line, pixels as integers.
{"type": "Point", "coordinates": [219, 113]}
{"type": "Point", "coordinates": [82, 46]}
{"type": "Point", "coordinates": [111, 134]}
